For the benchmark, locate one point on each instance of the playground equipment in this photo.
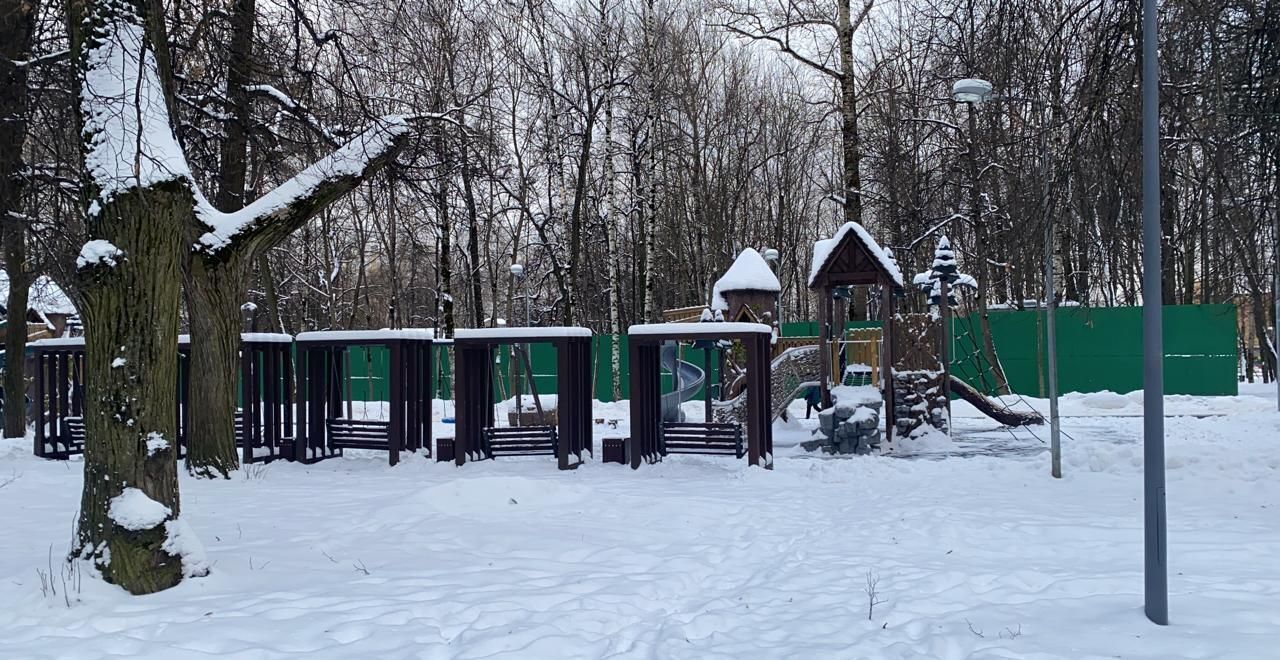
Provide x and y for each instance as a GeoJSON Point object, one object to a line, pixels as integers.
{"type": "Point", "coordinates": [264, 422]}
{"type": "Point", "coordinates": [327, 420]}
{"type": "Point", "coordinates": [478, 437]}
{"type": "Point", "coordinates": [688, 378]}
{"type": "Point", "coordinates": [652, 437]}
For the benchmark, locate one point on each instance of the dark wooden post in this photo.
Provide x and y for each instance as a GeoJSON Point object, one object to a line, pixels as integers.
{"type": "Point", "coordinates": [396, 401]}
{"type": "Point", "coordinates": [38, 409]}
{"type": "Point", "coordinates": [887, 359]}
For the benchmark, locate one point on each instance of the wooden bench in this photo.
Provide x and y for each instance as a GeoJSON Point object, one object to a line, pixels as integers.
{"type": "Point", "coordinates": [358, 434]}
{"type": "Point", "coordinates": [520, 441]}
{"type": "Point", "coordinates": [702, 438]}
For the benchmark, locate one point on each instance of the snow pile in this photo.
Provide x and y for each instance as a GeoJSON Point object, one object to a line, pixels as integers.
{"type": "Point", "coordinates": [749, 272]}
{"type": "Point", "coordinates": [126, 120]}
{"type": "Point", "coordinates": [520, 332]}
{"type": "Point", "coordinates": [181, 541]}
{"type": "Point", "coordinates": [134, 511]}
{"type": "Point", "coordinates": [349, 160]}
{"type": "Point", "coordinates": [156, 443]}
{"type": "Point", "coordinates": [823, 251]}
{"type": "Point", "coordinates": [852, 396]}
{"type": "Point", "coordinates": [99, 251]}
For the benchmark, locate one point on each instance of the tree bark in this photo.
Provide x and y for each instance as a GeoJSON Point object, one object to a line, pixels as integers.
{"type": "Point", "coordinates": [982, 249]}
{"type": "Point", "coordinates": [130, 303]}
{"type": "Point", "coordinates": [850, 149]}
{"type": "Point", "coordinates": [17, 23]}
{"type": "Point", "coordinates": [214, 292]}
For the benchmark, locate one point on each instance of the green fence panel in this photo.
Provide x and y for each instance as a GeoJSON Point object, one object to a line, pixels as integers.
{"type": "Point", "coordinates": [1098, 349]}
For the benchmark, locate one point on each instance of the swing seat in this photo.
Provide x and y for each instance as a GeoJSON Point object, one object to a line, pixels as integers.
{"type": "Point", "coordinates": [700, 438]}
{"type": "Point", "coordinates": [358, 434]}
{"type": "Point", "coordinates": [520, 441]}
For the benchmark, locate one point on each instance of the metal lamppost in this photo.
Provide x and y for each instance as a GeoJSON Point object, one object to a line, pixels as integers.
{"type": "Point", "coordinates": [975, 91]}
{"type": "Point", "coordinates": [1155, 547]}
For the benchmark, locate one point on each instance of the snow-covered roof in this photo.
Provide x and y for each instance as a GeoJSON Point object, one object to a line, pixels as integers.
{"type": "Point", "coordinates": [266, 337]}
{"type": "Point", "coordinates": [697, 328]}
{"type": "Point", "coordinates": [824, 250]}
{"type": "Point", "coordinates": [548, 332]}
{"type": "Point", "coordinates": [46, 296]}
{"type": "Point", "coordinates": [60, 342]}
{"type": "Point", "coordinates": [749, 272]}
{"type": "Point", "coordinates": [366, 335]}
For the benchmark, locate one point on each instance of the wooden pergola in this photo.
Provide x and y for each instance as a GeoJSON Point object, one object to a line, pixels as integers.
{"type": "Point", "coordinates": [853, 258]}
{"type": "Point", "coordinates": [325, 423]}
{"type": "Point", "coordinates": [644, 342]}
{"type": "Point", "coordinates": [474, 399]}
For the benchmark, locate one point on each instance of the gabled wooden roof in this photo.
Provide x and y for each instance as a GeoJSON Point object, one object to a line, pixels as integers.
{"type": "Point", "coordinates": [852, 258]}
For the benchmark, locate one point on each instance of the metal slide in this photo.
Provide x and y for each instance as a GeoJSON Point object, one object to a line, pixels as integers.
{"type": "Point", "coordinates": [688, 380]}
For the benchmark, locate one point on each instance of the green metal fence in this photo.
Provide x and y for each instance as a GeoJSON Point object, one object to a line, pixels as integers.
{"type": "Point", "coordinates": [1098, 349]}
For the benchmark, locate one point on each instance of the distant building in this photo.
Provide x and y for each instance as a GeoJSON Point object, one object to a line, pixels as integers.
{"type": "Point", "coordinates": [49, 313]}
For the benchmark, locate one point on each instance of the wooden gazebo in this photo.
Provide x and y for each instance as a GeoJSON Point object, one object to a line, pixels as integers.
{"type": "Point", "coordinates": [478, 438]}
{"type": "Point", "coordinates": [652, 438]}
{"type": "Point", "coordinates": [853, 258]}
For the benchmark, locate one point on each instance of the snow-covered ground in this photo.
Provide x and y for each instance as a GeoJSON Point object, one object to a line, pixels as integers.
{"type": "Point", "coordinates": [973, 550]}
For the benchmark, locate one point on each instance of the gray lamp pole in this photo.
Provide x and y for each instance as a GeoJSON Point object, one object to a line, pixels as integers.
{"type": "Point", "coordinates": [976, 91]}
{"type": "Point", "coordinates": [1155, 548]}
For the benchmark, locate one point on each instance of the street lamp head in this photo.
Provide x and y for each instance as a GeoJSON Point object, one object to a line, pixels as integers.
{"type": "Point", "coordinates": [971, 90]}
{"type": "Point", "coordinates": [770, 255]}
{"type": "Point", "coordinates": [517, 271]}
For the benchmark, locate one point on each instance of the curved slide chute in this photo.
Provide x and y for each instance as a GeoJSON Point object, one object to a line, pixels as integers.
{"type": "Point", "coordinates": [688, 380]}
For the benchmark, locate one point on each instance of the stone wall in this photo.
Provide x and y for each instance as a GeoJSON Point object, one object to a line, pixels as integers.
{"type": "Point", "coordinates": [851, 425]}
{"type": "Point", "coordinates": [918, 400]}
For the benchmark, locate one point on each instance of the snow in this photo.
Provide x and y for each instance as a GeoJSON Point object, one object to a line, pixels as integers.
{"type": "Point", "coordinates": [134, 511]}
{"type": "Point", "coordinates": [537, 332]}
{"type": "Point", "coordinates": [118, 363]}
{"type": "Point", "coordinates": [856, 395]}
{"type": "Point", "coordinates": [45, 296]}
{"type": "Point", "coordinates": [98, 252]}
{"type": "Point", "coordinates": [181, 541]}
{"type": "Point", "coordinates": [749, 272]}
{"type": "Point", "coordinates": [156, 443]}
{"type": "Point", "coordinates": [384, 334]}
{"type": "Point", "coordinates": [59, 342]}
{"type": "Point", "coordinates": [349, 160]}
{"type": "Point", "coordinates": [978, 553]}
{"type": "Point", "coordinates": [266, 337]}
{"type": "Point", "coordinates": [823, 250]}
{"type": "Point", "coordinates": [697, 328]}
{"type": "Point", "coordinates": [126, 121]}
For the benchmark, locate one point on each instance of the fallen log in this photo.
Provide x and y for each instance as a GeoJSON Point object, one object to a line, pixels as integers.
{"type": "Point", "coordinates": [993, 409]}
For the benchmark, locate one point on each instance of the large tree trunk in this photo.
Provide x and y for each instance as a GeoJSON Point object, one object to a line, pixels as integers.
{"type": "Point", "coordinates": [17, 21]}
{"type": "Point", "coordinates": [15, 329]}
{"type": "Point", "coordinates": [129, 293]}
{"type": "Point", "coordinates": [215, 288]}
{"type": "Point", "coordinates": [214, 292]}
{"type": "Point", "coordinates": [130, 312]}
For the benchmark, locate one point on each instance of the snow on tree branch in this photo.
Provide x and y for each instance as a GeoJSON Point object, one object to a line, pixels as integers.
{"type": "Point", "coordinates": [298, 197]}
{"type": "Point", "coordinates": [130, 142]}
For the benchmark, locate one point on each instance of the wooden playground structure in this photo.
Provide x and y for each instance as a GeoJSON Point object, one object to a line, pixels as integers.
{"type": "Point", "coordinates": [304, 399]}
